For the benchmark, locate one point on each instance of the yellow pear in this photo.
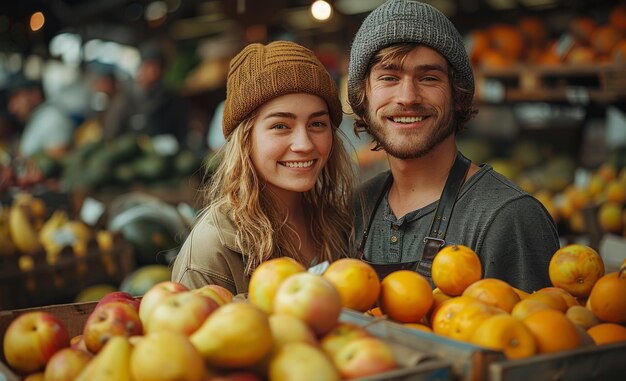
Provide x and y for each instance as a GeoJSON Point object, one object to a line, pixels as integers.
{"type": "Point", "coordinates": [235, 335]}
{"type": "Point", "coordinates": [303, 362]}
{"type": "Point", "coordinates": [112, 363]}
{"type": "Point", "coordinates": [166, 356]}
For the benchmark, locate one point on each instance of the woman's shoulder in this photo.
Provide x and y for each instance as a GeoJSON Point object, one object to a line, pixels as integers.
{"type": "Point", "coordinates": [214, 226]}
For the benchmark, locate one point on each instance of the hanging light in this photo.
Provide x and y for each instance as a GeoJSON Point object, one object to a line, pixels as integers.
{"type": "Point", "coordinates": [321, 10]}
{"type": "Point", "coordinates": [37, 20]}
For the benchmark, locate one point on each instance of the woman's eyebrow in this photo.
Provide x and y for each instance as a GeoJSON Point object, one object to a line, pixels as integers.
{"type": "Point", "coordinates": [282, 114]}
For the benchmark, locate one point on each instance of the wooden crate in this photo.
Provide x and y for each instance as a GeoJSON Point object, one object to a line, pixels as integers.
{"type": "Point", "coordinates": [416, 365]}
{"type": "Point", "coordinates": [59, 283]}
{"type": "Point", "coordinates": [601, 83]}
{"type": "Point", "coordinates": [469, 362]}
{"type": "Point", "coordinates": [73, 317]}
{"type": "Point", "coordinates": [606, 363]}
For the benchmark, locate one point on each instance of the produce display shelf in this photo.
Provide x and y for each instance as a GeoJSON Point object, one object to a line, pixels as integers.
{"type": "Point", "coordinates": [470, 362]}
{"type": "Point", "coordinates": [59, 283]}
{"type": "Point", "coordinates": [415, 365]}
{"type": "Point", "coordinates": [600, 83]}
{"type": "Point", "coordinates": [73, 315]}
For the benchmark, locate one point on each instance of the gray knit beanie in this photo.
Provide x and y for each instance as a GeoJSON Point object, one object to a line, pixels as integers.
{"type": "Point", "coordinates": [398, 21]}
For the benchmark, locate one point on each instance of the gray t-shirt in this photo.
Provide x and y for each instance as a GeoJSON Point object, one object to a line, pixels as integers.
{"type": "Point", "coordinates": [511, 231]}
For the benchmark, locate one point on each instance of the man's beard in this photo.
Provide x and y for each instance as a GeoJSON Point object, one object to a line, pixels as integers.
{"type": "Point", "coordinates": [411, 146]}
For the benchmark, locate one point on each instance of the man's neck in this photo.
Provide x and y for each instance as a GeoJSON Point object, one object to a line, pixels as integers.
{"type": "Point", "coordinates": [419, 182]}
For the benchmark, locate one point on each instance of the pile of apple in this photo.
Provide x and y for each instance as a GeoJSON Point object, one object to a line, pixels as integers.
{"type": "Point", "coordinates": [287, 328]}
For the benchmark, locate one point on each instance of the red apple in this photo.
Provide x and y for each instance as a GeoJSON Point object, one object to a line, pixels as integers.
{"type": "Point", "coordinates": [311, 298]}
{"type": "Point", "coordinates": [108, 320]}
{"type": "Point", "coordinates": [66, 364]}
{"type": "Point", "coordinates": [32, 338]}
{"type": "Point", "coordinates": [155, 294]}
{"type": "Point", "coordinates": [266, 279]}
{"type": "Point", "coordinates": [363, 357]}
{"type": "Point", "coordinates": [303, 362]}
{"type": "Point", "coordinates": [223, 292]}
{"type": "Point", "coordinates": [120, 296]}
{"type": "Point", "coordinates": [339, 336]}
{"type": "Point", "coordinates": [182, 312]}
{"type": "Point", "coordinates": [211, 293]}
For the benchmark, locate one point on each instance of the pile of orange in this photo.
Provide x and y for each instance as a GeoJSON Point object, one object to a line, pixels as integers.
{"type": "Point", "coordinates": [584, 306]}
{"type": "Point", "coordinates": [501, 46]}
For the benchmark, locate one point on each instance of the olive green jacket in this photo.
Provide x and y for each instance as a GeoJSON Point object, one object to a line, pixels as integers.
{"type": "Point", "coordinates": [209, 255]}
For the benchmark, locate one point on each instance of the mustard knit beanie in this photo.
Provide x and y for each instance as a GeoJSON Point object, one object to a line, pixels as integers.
{"type": "Point", "coordinates": [398, 21]}
{"type": "Point", "coordinates": [260, 73]}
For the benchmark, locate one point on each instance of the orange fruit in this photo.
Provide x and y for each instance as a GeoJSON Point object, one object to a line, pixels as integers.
{"type": "Point", "coordinates": [582, 28]}
{"type": "Point", "coordinates": [521, 293]}
{"type": "Point", "coordinates": [376, 312]}
{"type": "Point", "coordinates": [582, 317]}
{"type": "Point", "coordinates": [581, 55]}
{"type": "Point", "coordinates": [464, 322]}
{"type": "Point", "coordinates": [550, 298]}
{"type": "Point", "coordinates": [438, 298]}
{"type": "Point", "coordinates": [418, 326]}
{"type": "Point", "coordinates": [575, 268]}
{"type": "Point", "coordinates": [492, 59]}
{"type": "Point", "coordinates": [526, 307]}
{"type": "Point", "coordinates": [508, 40]}
{"type": "Point", "coordinates": [356, 281]}
{"type": "Point", "coordinates": [615, 190]}
{"type": "Point", "coordinates": [494, 292]}
{"type": "Point", "coordinates": [553, 331]}
{"type": "Point", "coordinates": [610, 217]}
{"type": "Point", "coordinates": [607, 299]}
{"type": "Point", "coordinates": [606, 333]}
{"type": "Point", "coordinates": [454, 268]}
{"type": "Point", "coordinates": [441, 317]}
{"type": "Point", "coordinates": [607, 171]}
{"type": "Point", "coordinates": [570, 300]}
{"type": "Point", "coordinates": [478, 44]}
{"type": "Point", "coordinates": [405, 296]}
{"type": "Point", "coordinates": [604, 39]}
{"type": "Point", "coordinates": [506, 333]}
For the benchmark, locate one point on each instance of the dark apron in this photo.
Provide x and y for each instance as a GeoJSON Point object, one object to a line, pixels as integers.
{"type": "Point", "coordinates": [435, 239]}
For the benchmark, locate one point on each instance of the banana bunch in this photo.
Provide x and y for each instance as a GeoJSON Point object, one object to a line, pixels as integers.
{"type": "Point", "coordinates": [22, 226]}
{"type": "Point", "coordinates": [59, 232]}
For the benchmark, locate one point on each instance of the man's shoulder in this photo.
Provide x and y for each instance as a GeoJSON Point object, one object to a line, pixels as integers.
{"type": "Point", "coordinates": [489, 178]}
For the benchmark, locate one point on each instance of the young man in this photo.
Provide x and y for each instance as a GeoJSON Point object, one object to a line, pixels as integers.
{"type": "Point", "coordinates": [410, 85]}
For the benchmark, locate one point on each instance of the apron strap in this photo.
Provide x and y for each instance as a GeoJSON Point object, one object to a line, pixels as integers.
{"type": "Point", "coordinates": [435, 239]}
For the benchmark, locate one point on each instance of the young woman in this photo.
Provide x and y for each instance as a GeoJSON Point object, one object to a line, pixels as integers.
{"type": "Point", "coordinates": [284, 181]}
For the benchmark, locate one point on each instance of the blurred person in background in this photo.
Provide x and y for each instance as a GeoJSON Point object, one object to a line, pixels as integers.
{"type": "Point", "coordinates": [47, 128]}
{"type": "Point", "coordinates": [104, 85]}
{"type": "Point", "coordinates": [148, 106]}
{"type": "Point", "coordinates": [411, 87]}
{"type": "Point", "coordinates": [284, 180]}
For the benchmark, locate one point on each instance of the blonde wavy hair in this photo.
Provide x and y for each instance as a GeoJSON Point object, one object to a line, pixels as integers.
{"type": "Point", "coordinates": [262, 229]}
